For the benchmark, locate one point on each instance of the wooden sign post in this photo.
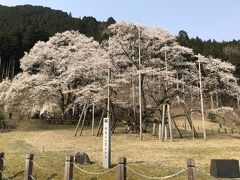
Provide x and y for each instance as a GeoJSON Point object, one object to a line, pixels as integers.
{"type": "Point", "coordinates": [106, 143]}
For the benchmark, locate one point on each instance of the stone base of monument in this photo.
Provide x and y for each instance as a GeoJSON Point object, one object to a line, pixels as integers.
{"type": "Point", "coordinates": [82, 158]}
{"type": "Point", "coordinates": [224, 168]}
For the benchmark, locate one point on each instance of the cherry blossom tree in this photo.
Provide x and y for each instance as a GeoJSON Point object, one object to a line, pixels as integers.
{"type": "Point", "coordinates": [71, 69]}
{"type": "Point", "coordinates": [56, 72]}
{"type": "Point", "coordinates": [218, 78]}
{"type": "Point", "coordinates": [169, 71]}
{"type": "Point", "coordinates": [162, 61]}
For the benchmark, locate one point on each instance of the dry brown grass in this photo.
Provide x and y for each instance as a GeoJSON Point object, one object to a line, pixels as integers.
{"type": "Point", "coordinates": [150, 156]}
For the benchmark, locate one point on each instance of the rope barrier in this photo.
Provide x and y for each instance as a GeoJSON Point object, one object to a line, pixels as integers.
{"type": "Point", "coordinates": [204, 173]}
{"type": "Point", "coordinates": [54, 165]}
{"type": "Point", "coordinates": [94, 173]}
{"type": "Point", "coordinates": [4, 176]}
{"type": "Point", "coordinates": [32, 178]}
{"type": "Point", "coordinates": [15, 165]}
{"type": "Point", "coordinates": [3, 160]}
{"type": "Point", "coordinates": [159, 178]}
{"type": "Point", "coordinates": [42, 168]}
{"type": "Point", "coordinates": [146, 166]}
{"type": "Point", "coordinates": [43, 156]}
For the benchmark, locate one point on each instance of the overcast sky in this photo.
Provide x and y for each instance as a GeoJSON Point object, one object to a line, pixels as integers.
{"type": "Point", "coordinates": [215, 19]}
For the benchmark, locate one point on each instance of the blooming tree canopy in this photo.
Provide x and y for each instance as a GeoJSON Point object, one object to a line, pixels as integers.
{"type": "Point", "coordinates": [71, 69]}
{"type": "Point", "coordinates": [57, 71]}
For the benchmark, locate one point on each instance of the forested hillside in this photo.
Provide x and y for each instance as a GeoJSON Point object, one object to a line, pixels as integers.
{"type": "Point", "coordinates": [22, 26]}
{"type": "Point", "coordinates": [226, 50]}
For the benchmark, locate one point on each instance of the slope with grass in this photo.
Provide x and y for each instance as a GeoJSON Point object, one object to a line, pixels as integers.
{"type": "Point", "coordinates": [51, 144]}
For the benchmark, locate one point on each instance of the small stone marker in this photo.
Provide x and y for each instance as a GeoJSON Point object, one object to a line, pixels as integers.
{"type": "Point", "coordinates": [82, 158]}
{"type": "Point", "coordinates": [225, 168]}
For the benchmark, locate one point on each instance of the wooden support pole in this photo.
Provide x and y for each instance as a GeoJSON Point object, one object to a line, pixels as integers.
{"type": "Point", "coordinates": [1, 164]}
{"type": "Point", "coordinates": [169, 122]}
{"type": "Point", "coordinates": [178, 130]}
{"type": "Point", "coordinates": [225, 130]}
{"type": "Point", "coordinates": [140, 85]}
{"type": "Point", "coordinates": [122, 170]}
{"type": "Point", "coordinates": [191, 169]}
{"type": "Point", "coordinates": [185, 126]}
{"type": "Point", "coordinates": [178, 98]}
{"type": "Point", "coordinates": [201, 99]}
{"type": "Point", "coordinates": [159, 131]}
{"type": "Point", "coordinates": [232, 131]}
{"type": "Point", "coordinates": [165, 132]}
{"type": "Point", "coordinates": [220, 125]}
{"type": "Point", "coordinates": [192, 126]}
{"type": "Point", "coordinates": [80, 118]}
{"type": "Point", "coordinates": [68, 168]}
{"type": "Point", "coordinates": [217, 103]}
{"type": "Point", "coordinates": [218, 130]}
{"type": "Point", "coordinates": [154, 128]}
{"type": "Point", "coordinates": [28, 167]}
{"type": "Point", "coordinates": [93, 117]}
{"type": "Point", "coordinates": [100, 123]}
{"type": "Point", "coordinates": [83, 121]}
{"type": "Point", "coordinates": [163, 122]}
{"type": "Point", "coordinates": [133, 93]}
{"type": "Point", "coordinates": [211, 98]}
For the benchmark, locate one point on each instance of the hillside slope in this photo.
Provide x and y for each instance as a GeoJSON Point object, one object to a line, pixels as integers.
{"type": "Point", "coordinates": [22, 26]}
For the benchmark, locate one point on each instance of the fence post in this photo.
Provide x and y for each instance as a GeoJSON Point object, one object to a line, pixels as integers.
{"type": "Point", "coordinates": [225, 130]}
{"type": "Point", "coordinates": [28, 167]}
{"type": "Point", "coordinates": [218, 131]}
{"type": "Point", "coordinates": [1, 164]}
{"type": "Point", "coordinates": [122, 171]}
{"type": "Point", "coordinates": [232, 131]}
{"type": "Point", "coordinates": [191, 169]}
{"type": "Point", "coordinates": [68, 168]}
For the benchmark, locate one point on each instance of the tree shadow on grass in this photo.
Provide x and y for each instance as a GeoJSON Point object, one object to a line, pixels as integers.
{"type": "Point", "coordinates": [16, 175]}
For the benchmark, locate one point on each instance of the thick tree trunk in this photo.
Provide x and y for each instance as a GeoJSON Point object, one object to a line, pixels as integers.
{"type": "Point", "coordinates": [62, 105]}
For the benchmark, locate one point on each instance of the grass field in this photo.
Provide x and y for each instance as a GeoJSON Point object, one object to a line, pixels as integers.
{"type": "Point", "coordinates": [151, 157]}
